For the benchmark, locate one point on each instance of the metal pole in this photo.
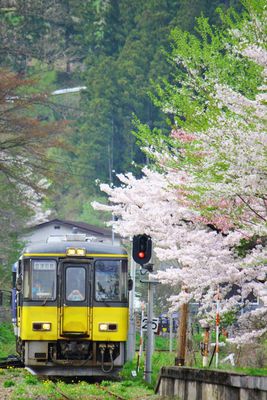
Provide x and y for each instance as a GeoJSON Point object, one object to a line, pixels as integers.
{"type": "Point", "coordinates": [141, 329]}
{"type": "Point", "coordinates": [140, 352]}
{"type": "Point", "coordinates": [131, 332]}
{"type": "Point", "coordinates": [149, 347]}
{"type": "Point", "coordinates": [171, 332]}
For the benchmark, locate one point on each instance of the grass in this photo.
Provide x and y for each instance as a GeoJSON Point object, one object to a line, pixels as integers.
{"type": "Point", "coordinates": [244, 370]}
{"type": "Point", "coordinates": [18, 384]}
{"type": "Point", "coordinates": [159, 359]}
{"type": "Point", "coordinates": [7, 339]}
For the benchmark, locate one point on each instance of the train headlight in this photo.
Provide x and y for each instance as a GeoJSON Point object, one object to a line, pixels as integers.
{"type": "Point", "coordinates": [108, 327]}
{"type": "Point", "coordinates": [80, 252]}
{"type": "Point", "coordinates": [41, 326]}
{"type": "Point", "coordinates": [103, 327]}
{"type": "Point", "coordinates": [46, 326]}
{"type": "Point", "coordinates": [71, 251]}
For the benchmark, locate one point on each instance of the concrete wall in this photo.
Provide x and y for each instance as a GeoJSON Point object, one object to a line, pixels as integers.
{"type": "Point", "coordinates": [198, 384]}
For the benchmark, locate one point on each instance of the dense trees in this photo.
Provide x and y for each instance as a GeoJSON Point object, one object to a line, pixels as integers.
{"type": "Point", "coordinates": [39, 30]}
{"type": "Point", "coordinates": [115, 48]}
{"type": "Point", "coordinates": [24, 163]}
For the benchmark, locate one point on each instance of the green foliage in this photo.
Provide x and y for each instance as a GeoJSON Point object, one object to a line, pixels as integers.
{"type": "Point", "coordinates": [159, 359]}
{"type": "Point", "coordinates": [163, 343]}
{"type": "Point", "coordinates": [24, 386]}
{"type": "Point", "coordinates": [27, 386]}
{"type": "Point", "coordinates": [199, 62]}
{"type": "Point", "coordinates": [6, 332]}
{"type": "Point", "coordinates": [43, 30]}
{"type": "Point", "coordinates": [14, 213]}
{"type": "Point", "coordinates": [7, 339]}
{"type": "Point", "coordinates": [9, 383]}
{"type": "Point", "coordinates": [125, 45]}
{"type": "Point", "coordinates": [228, 319]}
{"type": "Point", "coordinates": [246, 245]}
{"type": "Point", "coordinates": [31, 380]}
{"type": "Point", "coordinates": [44, 79]}
{"type": "Point", "coordinates": [246, 371]}
{"type": "Point", "coordinates": [92, 216]}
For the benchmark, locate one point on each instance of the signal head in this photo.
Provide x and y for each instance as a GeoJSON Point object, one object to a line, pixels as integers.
{"type": "Point", "coordinates": [142, 248]}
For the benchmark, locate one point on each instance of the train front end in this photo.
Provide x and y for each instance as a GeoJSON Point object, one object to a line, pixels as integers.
{"type": "Point", "coordinates": [72, 309]}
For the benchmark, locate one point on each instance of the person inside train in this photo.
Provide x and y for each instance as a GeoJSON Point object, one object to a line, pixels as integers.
{"type": "Point", "coordinates": [36, 288]}
{"type": "Point", "coordinates": [75, 295]}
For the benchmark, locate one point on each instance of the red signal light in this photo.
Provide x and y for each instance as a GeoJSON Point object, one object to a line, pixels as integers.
{"type": "Point", "coordinates": [142, 248]}
{"type": "Point", "coordinates": [141, 254]}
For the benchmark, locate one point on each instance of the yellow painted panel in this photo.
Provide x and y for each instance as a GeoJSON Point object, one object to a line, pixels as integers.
{"type": "Point", "coordinates": [113, 315]}
{"type": "Point", "coordinates": [38, 314]}
{"type": "Point", "coordinates": [74, 319]}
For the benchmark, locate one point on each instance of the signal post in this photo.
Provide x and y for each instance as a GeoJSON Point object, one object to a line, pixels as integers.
{"type": "Point", "coordinates": [142, 250]}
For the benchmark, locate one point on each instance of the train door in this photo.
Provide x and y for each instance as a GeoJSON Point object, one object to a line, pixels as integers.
{"type": "Point", "coordinates": [76, 299]}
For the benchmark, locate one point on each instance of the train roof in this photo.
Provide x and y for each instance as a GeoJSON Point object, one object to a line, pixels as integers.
{"type": "Point", "coordinates": [60, 248]}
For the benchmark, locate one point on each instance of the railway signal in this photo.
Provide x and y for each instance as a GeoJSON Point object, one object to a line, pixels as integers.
{"type": "Point", "coordinates": [142, 249]}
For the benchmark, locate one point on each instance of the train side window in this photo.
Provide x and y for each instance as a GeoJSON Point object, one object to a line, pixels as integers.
{"type": "Point", "coordinates": [110, 281]}
{"type": "Point", "coordinates": [26, 279]}
{"type": "Point", "coordinates": [75, 283]}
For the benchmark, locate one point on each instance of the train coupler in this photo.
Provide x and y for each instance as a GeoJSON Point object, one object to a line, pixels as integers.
{"type": "Point", "coordinates": [110, 348]}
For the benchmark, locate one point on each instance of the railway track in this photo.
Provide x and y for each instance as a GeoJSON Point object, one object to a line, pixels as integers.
{"type": "Point", "coordinates": [91, 397]}
{"type": "Point", "coordinates": [14, 362]}
{"type": "Point", "coordinates": [11, 362]}
{"type": "Point", "coordinates": [114, 395]}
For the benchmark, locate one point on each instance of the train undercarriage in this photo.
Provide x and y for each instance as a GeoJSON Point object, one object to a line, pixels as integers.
{"type": "Point", "coordinates": [72, 357]}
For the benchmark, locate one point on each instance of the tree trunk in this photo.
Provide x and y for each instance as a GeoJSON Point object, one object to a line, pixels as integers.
{"type": "Point", "coordinates": [180, 359]}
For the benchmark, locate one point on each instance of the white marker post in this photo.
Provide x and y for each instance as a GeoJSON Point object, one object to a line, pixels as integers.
{"type": "Point", "coordinates": [217, 297]}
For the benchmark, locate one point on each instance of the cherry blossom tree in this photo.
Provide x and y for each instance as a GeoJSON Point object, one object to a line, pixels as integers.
{"type": "Point", "coordinates": [210, 194]}
{"type": "Point", "coordinates": [154, 205]}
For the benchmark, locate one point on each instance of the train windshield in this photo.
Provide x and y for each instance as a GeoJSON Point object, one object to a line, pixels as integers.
{"type": "Point", "coordinates": [75, 283]}
{"type": "Point", "coordinates": [43, 280]}
{"type": "Point", "coordinates": [110, 280]}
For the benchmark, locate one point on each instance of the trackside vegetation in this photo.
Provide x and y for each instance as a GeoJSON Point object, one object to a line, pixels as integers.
{"type": "Point", "coordinates": [20, 384]}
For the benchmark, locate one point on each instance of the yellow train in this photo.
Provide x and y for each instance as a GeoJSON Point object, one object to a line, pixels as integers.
{"type": "Point", "coordinates": [72, 308]}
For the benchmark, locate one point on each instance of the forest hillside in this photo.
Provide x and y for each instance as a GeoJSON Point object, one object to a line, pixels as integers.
{"type": "Point", "coordinates": [55, 148]}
